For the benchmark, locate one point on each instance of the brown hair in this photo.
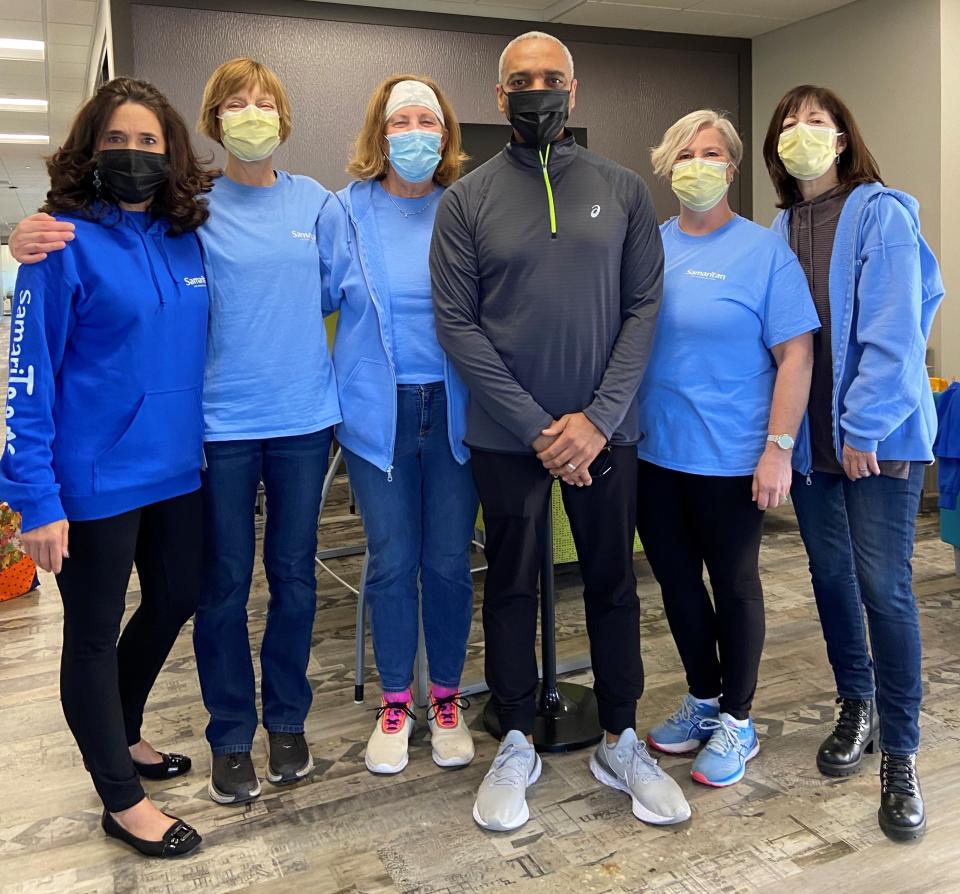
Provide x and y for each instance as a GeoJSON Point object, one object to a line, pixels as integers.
{"type": "Point", "coordinates": [368, 161]}
{"type": "Point", "coordinates": [856, 165]}
{"type": "Point", "coordinates": [72, 166]}
{"type": "Point", "coordinates": [232, 77]}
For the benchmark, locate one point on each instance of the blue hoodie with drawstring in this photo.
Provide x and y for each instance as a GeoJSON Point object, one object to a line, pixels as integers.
{"type": "Point", "coordinates": [106, 363]}
{"type": "Point", "coordinates": [885, 288]}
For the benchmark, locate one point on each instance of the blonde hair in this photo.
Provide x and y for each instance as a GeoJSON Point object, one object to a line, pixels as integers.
{"type": "Point", "coordinates": [680, 134]}
{"type": "Point", "coordinates": [232, 77]}
{"type": "Point", "coordinates": [533, 35]}
{"type": "Point", "coordinates": [369, 162]}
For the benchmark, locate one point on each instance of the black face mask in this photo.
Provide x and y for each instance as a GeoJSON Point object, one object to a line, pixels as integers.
{"type": "Point", "coordinates": [132, 175]}
{"type": "Point", "coordinates": [538, 115]}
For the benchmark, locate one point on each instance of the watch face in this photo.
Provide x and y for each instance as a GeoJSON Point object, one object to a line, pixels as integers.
{"type": "Point", "coordinates": [785, 441]}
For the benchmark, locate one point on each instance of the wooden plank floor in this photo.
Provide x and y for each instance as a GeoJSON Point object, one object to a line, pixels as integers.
{"type": "Point", "coordinates": [783, 829]}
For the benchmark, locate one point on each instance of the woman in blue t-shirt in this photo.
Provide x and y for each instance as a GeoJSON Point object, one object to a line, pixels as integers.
{"type": "Point", "coordinates": [720, 404]}
{"type": "Point", "coordinates": [404, 418]}
{"type": "Point", "coordinates": [869, 431]}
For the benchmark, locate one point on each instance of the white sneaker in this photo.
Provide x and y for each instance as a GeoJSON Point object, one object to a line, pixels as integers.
{"type": "Point", "coordinates": [657, 799]}
{"type": "Point", "coordinates": [501, 803]}
{"type": "Point", "coordinates": [387, 746]}
{"type": "Point", "coordinates": [449, 734]}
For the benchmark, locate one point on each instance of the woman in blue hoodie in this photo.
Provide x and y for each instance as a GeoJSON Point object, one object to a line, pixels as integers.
{"type": "Point", "coordinates": [105, 428]}
{"type": "Point", "coordinates": [404, 418]}
{"type": "Point", "coordinates": [868, 433]}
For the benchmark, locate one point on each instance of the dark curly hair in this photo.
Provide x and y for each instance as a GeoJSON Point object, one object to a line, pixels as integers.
{"type": "Point", "coordinates": [72, 166]}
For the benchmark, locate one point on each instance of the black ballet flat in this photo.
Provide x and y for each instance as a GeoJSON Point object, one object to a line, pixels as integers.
{"type": "Point", "coordinates": [171, 765]}
{"type": "Point", "coordinates": [177, 841]}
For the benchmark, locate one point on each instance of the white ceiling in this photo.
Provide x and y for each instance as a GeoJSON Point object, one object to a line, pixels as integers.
{"type": "Point", "coordinates": [720, 18]}
{"type": "Point", "coordinates": [68, 26]}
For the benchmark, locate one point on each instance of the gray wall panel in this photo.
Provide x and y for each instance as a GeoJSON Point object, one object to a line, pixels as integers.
{"type": "Point", "coordinates": [627, 94]}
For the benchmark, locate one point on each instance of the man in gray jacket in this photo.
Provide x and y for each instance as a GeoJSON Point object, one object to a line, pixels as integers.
{"type": "Point", "coordinates": [547, 274]}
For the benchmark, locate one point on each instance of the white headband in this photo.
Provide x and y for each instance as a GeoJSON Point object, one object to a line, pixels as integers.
{"type": "Point", "coordinates": [412, 93]}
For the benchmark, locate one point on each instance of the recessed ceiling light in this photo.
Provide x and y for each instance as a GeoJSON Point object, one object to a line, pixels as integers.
{"type": "Point", "coordinates": [40, 139]}
{"type": "Point", "coordinates": [15, 104]}
{"type": "Point", "coordinates": [14, 48]}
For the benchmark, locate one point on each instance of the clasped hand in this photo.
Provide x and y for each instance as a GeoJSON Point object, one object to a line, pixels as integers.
{"type": "Point", "coordinates": [567, 448]}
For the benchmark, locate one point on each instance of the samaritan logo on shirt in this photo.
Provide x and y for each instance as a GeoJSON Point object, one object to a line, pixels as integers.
{"type": "Point", "coordinates": [306, 237]}
{"type": "Point", "coordinates": [195, 281]}
{"type": "Point", "coordinates": [705, 274]}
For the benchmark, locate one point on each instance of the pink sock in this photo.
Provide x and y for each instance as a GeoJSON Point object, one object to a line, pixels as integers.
{"type": "Point", "coordinates": [443, 691]}
{"type": "Point", "coordinates": [401, 697]}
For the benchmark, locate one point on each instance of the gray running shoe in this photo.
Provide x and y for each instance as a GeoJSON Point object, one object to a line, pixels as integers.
{"type": "Point", "coordinates": [501, 804]}
{"type": "Point", "coordinates": [657, 799]}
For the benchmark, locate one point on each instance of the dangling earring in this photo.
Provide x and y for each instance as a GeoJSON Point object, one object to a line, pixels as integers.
{"type": "Point", "coordinates": [96, 182]}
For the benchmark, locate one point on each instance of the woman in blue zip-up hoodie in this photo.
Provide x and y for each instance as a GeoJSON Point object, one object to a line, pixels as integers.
{"type": "Point", "coordinates": [868, 433]}
{"type": "Point", "coordinates": [105, 428]}
{"type": "Point", "coordinates": [404, 418]}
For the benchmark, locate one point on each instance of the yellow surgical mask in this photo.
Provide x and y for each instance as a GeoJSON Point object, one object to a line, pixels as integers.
{"type": "Point", "coordinates": [251, 134]}
{"type": "Point", "coordinates": [806, 151]}
{"type": "Point", "coordinates": [699, 183]}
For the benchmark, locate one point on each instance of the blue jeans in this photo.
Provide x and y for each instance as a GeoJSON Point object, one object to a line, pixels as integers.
{"type": "Point", "coordinates": [419, 526]}
{"type": "Point", "coordinates": [292, 470]}
{"type": "Point", "coordinates": [859, 538]}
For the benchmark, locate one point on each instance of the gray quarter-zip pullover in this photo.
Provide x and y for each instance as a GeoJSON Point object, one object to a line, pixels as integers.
{"type": "Point", "coordinates": [540, 324]}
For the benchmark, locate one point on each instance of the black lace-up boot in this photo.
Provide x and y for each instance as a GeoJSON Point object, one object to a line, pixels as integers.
{"type": "Point", "coordinates": [902, 815]}
{"type": "Point", "coordinates": [854, 736]}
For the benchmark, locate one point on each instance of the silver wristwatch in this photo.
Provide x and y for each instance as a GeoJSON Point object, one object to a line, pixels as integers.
{"type": "Point", "coordinates": [784, 442]}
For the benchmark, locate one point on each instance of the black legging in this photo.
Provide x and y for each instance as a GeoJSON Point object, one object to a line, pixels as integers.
{"type": "Point", "coordinates": [104, 683]}
{"type": "Point", "coordinates": [687, 521]}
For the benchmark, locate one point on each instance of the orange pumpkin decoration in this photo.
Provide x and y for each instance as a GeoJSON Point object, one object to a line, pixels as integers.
{"type": "Point", "coordinates": [17, 571]}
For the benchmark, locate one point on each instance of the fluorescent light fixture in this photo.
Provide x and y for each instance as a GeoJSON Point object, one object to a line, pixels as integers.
{"type": "Point", "coordinates": [39, 139]}
{"type": "Point", "coordinates": [14, 48]}
{"type": "Point", "coordinates": [15, 104]}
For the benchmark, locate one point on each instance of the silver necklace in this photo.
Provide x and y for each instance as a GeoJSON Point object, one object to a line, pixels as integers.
{"type": "Point", "coordinates": [420, 210]}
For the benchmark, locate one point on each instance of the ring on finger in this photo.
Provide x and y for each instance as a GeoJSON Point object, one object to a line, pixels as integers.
{"type": "Point", "coordinates": [571, 467]}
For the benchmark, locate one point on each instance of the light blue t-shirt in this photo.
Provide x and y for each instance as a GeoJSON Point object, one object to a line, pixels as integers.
{"type": "Point", "coordinates": [405, 241]}
{"type": "Point", "coordinates": [728, 298]}
{"type": "Point", "coordinates": [268, 371]}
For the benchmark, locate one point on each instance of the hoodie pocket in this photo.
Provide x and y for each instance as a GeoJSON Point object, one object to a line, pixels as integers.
{"type": "Point", "coordinates": [364, 402]}
{"type": "Point", "coordinates": [164, 440]}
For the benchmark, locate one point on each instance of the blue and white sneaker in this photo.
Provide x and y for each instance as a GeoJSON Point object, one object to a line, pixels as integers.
{"type": "Point", "coordinates": [724, 760]}
{"type": "Point", "coordinates": [683, 730]}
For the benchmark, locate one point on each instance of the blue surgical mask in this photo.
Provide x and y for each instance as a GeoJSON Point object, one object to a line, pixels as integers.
{"type": "Point", "coordinates": [414, 154]}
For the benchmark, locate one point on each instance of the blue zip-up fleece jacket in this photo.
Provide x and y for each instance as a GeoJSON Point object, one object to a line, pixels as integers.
{"type": "Point", "coordinates": [885, 288]}
{"type": "Point", "coordinates": [947, 447]}
{"type": "Point", "coordinates": [106, 369]}
{"type": "Point", "coordinates": [362, 355]}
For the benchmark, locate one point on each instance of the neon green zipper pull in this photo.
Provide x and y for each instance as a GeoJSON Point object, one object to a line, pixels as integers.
{"type": "Point", "coordinates": [544, 158]}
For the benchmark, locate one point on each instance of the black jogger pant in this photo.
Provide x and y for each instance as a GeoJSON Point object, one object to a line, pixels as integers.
{"type": "Point", "coordinates": [514, 492]}
{"type": "Point", "coordinates": [104, 683]}
{"type": "Point", "coordinates": [686, 521]}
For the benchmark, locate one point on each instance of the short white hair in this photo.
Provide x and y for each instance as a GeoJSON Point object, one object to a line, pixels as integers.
{"type": "Point", "coordinates": [680, 134]}
{"type": "Point", "coordinates": [533, 35]}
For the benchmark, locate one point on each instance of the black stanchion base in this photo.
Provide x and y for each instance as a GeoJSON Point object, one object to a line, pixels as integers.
{"type": "Point", "coordinates": [566, 719]}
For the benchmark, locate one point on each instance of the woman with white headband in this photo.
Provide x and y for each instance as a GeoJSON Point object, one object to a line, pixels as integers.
{"type": "Point", "coordinates": [404, 418]}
